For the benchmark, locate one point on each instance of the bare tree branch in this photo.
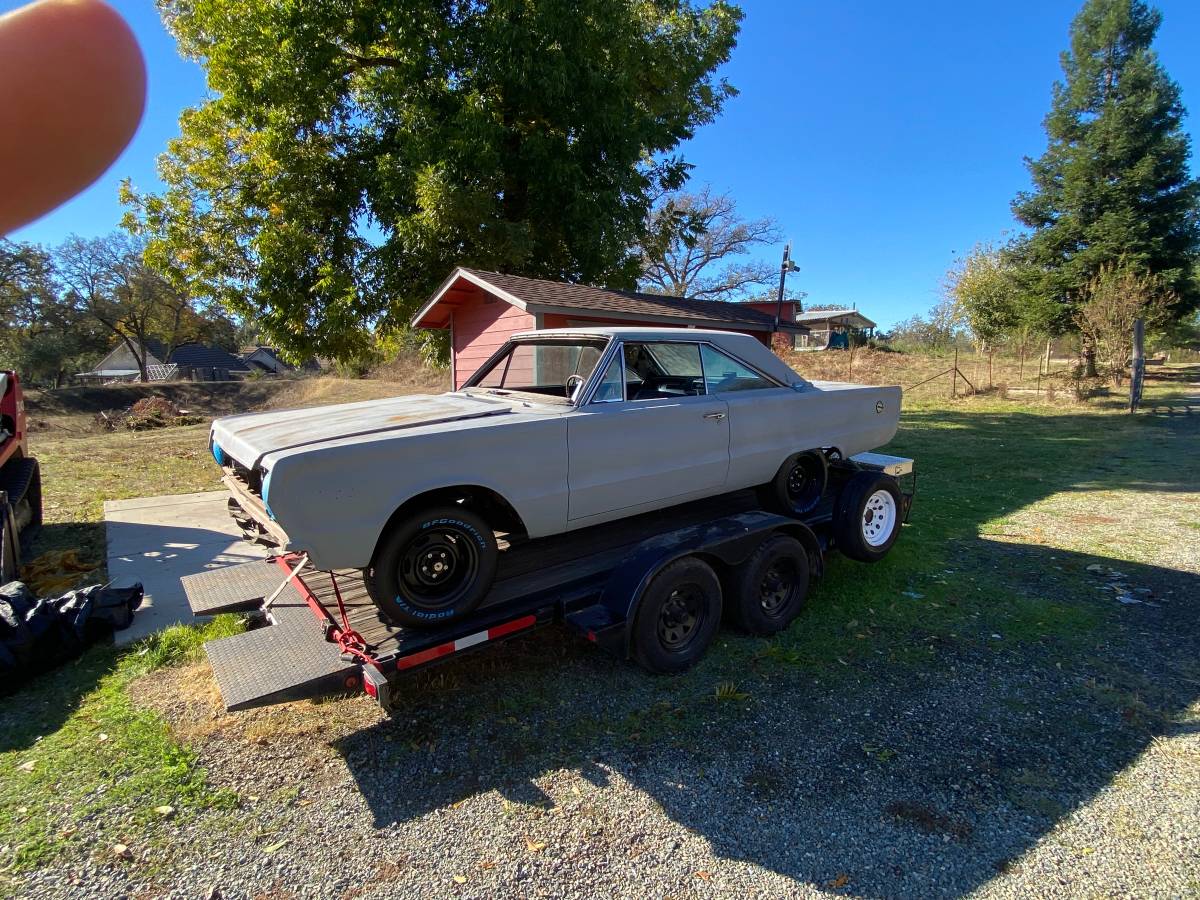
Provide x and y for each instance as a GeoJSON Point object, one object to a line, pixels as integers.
{"type": "Point", "coordinates": [693, 244]}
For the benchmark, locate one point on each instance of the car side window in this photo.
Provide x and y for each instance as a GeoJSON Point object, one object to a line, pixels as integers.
{"type": "Point", "coordinates": [724, 374]}
{"type": "Point", "coordinates": [610, 389]}
{"type": "Point", "coordinates": [663, 369]}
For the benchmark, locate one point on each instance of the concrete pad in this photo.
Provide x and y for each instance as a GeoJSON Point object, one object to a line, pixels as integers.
{"type": "Point", "coordinates": [158, 540]}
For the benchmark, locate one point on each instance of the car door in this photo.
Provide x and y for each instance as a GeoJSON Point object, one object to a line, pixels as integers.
{"type": "Point", "coordinates": [763, 417]}
{"type": "Point", "coordinates": [650, 436]}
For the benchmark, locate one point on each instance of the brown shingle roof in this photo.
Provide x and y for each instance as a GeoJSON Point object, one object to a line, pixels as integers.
{"type": "Point", "coordinates": [555, 296]}
{"type": "Point", "coordinates": [585, 298]}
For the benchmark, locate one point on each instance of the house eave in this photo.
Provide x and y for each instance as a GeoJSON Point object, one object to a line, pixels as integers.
{"type": "Point", "coordinates": [453, 279]}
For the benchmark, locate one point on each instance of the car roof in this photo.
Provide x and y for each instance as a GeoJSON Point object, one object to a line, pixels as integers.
{"type": "Point", "coordinates": [631, 331]}
{"type": "Point", "coordinates": [737, 343]}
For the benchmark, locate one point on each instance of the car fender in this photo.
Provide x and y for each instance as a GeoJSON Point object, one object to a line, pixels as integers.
{"type": "Point", "coordinates": [335, 500]}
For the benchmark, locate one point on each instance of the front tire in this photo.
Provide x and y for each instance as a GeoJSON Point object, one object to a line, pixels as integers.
{"type": "Point", "coordinates": [433, 567]}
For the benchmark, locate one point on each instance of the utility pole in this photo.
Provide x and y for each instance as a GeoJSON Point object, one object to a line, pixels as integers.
{"type": "Point", "coordinates": [787, 266]}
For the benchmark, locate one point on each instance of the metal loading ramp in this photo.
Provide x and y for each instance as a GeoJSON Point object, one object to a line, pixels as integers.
{"type": "Point", "coordinates": [286, 660]}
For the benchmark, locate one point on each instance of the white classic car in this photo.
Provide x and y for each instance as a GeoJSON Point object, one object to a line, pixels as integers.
{"type": "Point", "coordinates": [559, 430]}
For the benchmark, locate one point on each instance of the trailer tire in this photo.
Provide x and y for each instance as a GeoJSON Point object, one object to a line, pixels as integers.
{"type": "Point", "coordinates": [798, 486]}
{"type": "Point", "coordinates": [678, 617]}
{"type": "Point", "coordinates": [771, 587]}
{"type": "Point", "coordinates": [868, 516]}
{"type": "Point", "coordinates": [432, 567]}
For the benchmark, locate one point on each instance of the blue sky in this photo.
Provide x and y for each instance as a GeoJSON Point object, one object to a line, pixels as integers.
{"type": "Point", "coordinates": [884, 137]}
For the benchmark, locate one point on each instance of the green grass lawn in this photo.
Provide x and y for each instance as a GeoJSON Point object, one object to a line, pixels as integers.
{"type": "Point", "coordinates": [1014, 501]}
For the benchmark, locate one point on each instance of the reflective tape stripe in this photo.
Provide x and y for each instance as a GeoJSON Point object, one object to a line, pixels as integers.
{"type": "Point", "coordinates": [510, 627]}
{"type": "Point", "coordinates": [416, 659]}
{"type": "Point", "coordinates": [424, 656]}
{"type": "Point", "coordinates": [464, 643]}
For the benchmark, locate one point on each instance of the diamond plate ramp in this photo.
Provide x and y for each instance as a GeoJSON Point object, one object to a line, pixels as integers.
{"type": "Point", "coordinates": [234, 588]}
{"type": "Point", "coordinates": [288, 660]}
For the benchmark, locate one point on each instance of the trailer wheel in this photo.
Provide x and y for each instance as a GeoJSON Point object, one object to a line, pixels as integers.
{"type": "Point", "coordinates": [868, 517]}
{"type": "Point", "coordinates": [799, 484]}
{"type": "Point", "coordinates": [433, 567]}
{"type": "Point", "coordinates": [771, 586]}
{"type": "Point", "coordinates": [678, 616]}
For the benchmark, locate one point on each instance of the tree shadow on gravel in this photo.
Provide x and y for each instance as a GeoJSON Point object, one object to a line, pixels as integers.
{"type": "Point", "coordinates": [883, 746]}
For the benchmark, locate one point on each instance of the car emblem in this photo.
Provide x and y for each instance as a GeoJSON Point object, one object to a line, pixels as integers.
{"type": "Point", "coordinates": [879, 406]}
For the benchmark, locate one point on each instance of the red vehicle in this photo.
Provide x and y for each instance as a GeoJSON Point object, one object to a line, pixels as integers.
{"type": "Point", "coordinates": [20, 478]}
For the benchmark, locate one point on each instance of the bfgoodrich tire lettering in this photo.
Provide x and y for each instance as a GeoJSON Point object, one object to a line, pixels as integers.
{"type": "Point", "coordinates": [433, 567]}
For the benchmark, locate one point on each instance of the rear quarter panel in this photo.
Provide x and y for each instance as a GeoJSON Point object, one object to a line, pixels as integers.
{"type": "Point", "coordinates": [765, 427]}
{"type": "Point", "coordinates": [334, 500]}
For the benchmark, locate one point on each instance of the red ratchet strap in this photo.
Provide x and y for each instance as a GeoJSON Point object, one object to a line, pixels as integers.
{"type": "Point", "coordinates": [348, 640]}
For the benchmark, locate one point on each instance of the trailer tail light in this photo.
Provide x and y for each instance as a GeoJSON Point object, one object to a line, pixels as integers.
{"type": "Point", "coordinates": [479, 637]}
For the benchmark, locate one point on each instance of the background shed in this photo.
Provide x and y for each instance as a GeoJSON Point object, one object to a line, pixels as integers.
{"type": "Point", "coordinates": [483, 309]}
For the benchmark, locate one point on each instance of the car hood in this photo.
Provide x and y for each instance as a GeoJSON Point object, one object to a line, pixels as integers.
{"type": "Point", "coordinates": [248, 438]}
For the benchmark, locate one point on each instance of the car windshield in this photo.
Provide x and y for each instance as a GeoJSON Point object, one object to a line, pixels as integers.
{"type": "Point", "coordinates": [552, 367]}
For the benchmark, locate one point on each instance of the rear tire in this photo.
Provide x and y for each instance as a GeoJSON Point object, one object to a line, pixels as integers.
{"type": "Point", "coordinates": [433, 567]}
{"type": "Point", "coordinates": [798, 486]}
{"type": "Point", "coordinates": [678, 617]}
{"type": "Point", "coordinates": [868, 516]}
{"type": "Point", "coordinates": [771, 587]}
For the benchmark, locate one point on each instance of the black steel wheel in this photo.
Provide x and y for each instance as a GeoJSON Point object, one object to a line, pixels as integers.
{"type": "Point", "coordinates": [771, 587]}
{"type": "Point", "coordinates": [799, 484]}
{"type": "Point", "coordinates": [433, 567]}
{"type": "Point", "coordinates": [680, 618]}
{"type": "Point", "coordinates": [679, 614]}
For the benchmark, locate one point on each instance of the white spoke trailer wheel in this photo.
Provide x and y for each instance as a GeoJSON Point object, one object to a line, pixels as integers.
{"type": "Point", "coordinates": [867, 520]}
{"type": "Point", "coordinates": [879, 518]}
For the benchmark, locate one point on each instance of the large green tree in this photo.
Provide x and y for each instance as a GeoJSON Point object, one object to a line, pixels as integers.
{"type": "Point", "coordinates": [1113, 187]}
{"type": "Point", "coordinates": [42, 335]}
{"type": "Point", "coordinates": [352, 151]}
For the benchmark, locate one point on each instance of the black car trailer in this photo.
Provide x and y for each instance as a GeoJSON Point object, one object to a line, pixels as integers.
{"type": "Point", "coordinates": [653, 588]}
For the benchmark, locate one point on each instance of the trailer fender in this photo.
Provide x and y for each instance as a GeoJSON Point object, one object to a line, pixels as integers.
{"type": "Point", "coordinates": [727, 543]}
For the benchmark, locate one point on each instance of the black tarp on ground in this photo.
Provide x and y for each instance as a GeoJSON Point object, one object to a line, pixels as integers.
{"type": "Point", "coordinates": [38, 634]}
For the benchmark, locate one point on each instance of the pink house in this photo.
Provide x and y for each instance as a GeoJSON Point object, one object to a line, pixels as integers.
{"type": "Point", "coordinates": [483, 309]}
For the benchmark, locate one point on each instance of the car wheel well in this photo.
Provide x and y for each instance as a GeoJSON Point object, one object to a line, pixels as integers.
{"type": "Point", "coordinates": [496, 511]}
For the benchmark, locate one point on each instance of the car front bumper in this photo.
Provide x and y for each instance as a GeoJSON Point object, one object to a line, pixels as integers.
{"type": "Point", "coordinates": [250, 513]}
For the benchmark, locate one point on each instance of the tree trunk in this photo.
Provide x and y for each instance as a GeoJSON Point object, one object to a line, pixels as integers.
{"type": "Point", "coordinates": [1089, 358]}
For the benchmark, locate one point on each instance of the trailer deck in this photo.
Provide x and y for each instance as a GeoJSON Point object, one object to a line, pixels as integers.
{"type": "Point", "coordinates": [320, 633]}
{"type": "Point", "coordinates": [293, 659]}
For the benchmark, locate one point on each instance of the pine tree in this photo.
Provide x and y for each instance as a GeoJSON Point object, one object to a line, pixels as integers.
{"type": "Point", "coordinates": [1113, 187]}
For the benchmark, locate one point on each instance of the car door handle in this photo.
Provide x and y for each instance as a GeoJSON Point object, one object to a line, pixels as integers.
{"type": "Point", "coordinates": [717, 415]}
